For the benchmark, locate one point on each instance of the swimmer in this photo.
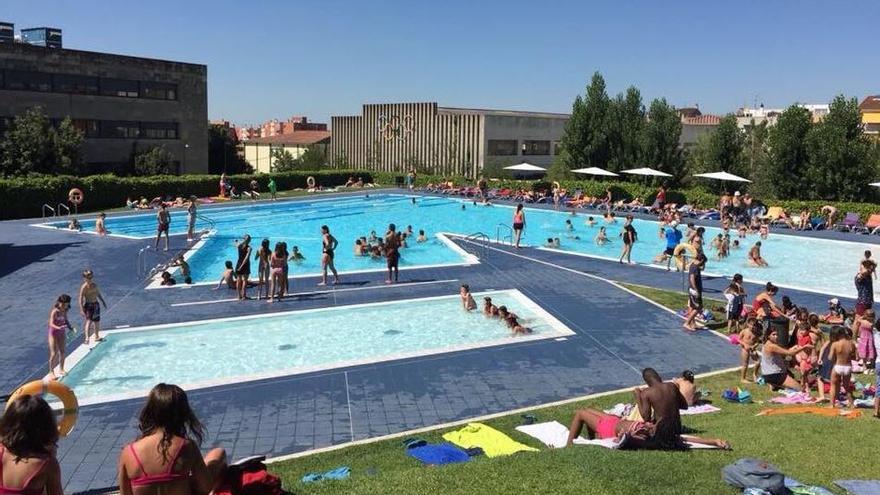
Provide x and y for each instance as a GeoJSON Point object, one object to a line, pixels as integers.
{"type": "Point", "coordinates": [735, 244]}
{"type": "Point", "coordinates": [296, 256]}
{"type": "Point", "coordinates": [602, 239]}
{"type": "Point", "coordinates": [373, 239]}
{"type": "Point", "coordinates": [512, 322]}
{"type": "Point", "coordinates": [413, 200]}
{"type": "Point", "coordinates": [551, 243]}
{"type": "Point", "coordinates": [568, 226]}
{"type": "Point", "coordinates": [74, 224]}
{"type": "Point", "coordinates": [489, 309]}
{"type": "Point", "coordinates": [716, 242]}
{"type": "Point", "coordinates": [590, 222]}
{"type": "Point", "coordinates": [755, 258]}
{"type": "Point", "coordinates": [764, 230]}
{"type": "Point", "coordinates": [167, 279]}
{"type": "Point", "coordinates": [99, 224]}
{"type": "Point", "coordinates": [842, 352]}
{"type": "Point", "coordinates": [742, 231]}
{"type": "Point", "coordinates": [467, 300]}
{"type": "Point", "coordinates": [228, 277]}
{"type": "Point", "coordinates": [359, 248]}
{"type": "Point", "coordinates": [422, 237]}
{"type": "Point", "coordinates": [184, 268]}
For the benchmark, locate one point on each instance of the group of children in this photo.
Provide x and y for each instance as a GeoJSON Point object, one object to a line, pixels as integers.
{"type": "Point", "coordinates": [490, 310]}
{"type": "Point", "coordinates": [272, 270]}
{"type": "Point", "coordinates": [374, 246]}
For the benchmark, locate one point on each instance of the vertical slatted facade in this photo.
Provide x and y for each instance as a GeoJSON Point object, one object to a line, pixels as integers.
{"type": "Point", "coordinates": [445, 143]}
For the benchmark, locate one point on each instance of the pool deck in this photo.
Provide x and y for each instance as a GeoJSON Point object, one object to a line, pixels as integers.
{"type": "Point", "coordinates": [616, 334]}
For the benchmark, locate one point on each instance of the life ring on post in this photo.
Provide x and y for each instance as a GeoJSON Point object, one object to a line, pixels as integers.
{"type": "Point", "coordinates": [678, 254]}
{"type": "Point", "coordinates": [75, 196]}
{"type": "Point", "coordinates": [310, 181]}
{"type": "Point", "coordinates": [58, 389]}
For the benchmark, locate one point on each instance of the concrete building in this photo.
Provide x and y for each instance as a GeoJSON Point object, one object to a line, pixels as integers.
{"type": "Point", "coordinates": [122, 104]}
{"type": "Point", "coordinates": [870, 109]}
{"type": "Point", "coordinates": [277, 127]}
{"type": "Point", "coordinates": [258, 151]}
{"type": "Point", "coordinates": [746, 116]}
{"type": "Point", "coordinates": [396, 137]}
{"type": "Point", "coordinates": [694, 125]}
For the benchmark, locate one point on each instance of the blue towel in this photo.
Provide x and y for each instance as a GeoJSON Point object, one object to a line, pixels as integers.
{"type": "Point", "coordinates": [439, 454]}
{"type": "Point", "coordinates": [860, 487]}
{"type": "Point", "coordinates": [339, 473]}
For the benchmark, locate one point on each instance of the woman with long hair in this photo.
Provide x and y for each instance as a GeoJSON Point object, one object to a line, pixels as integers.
{"type": "Point", "coordinates": [58, 326]}
{"type": "Point", "coordinates": [519, 223]}
{"type": "Point", "coordinates": [28, 438]}
{"type": "Point", "coordinates": [165, 459]}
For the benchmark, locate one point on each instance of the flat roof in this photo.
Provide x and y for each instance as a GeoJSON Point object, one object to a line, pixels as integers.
{"type": "Point", "coordinates": [22, 46]}
{"type": "Point", "coordinates": [510, 113]}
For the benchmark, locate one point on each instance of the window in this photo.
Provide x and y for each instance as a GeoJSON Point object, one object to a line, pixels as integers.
{"type": "Point", "coordinates": [502, 147]}
{"type": "Point", "coordinates": [557, 147]}
{"type": "Point", "coordinates": [89, 128]}
{"type": "Point", "coordinates": [159, 130]}
{"type": "Point", "coordinates": [122, 129]}
{"type": "Point", "coordinates": [159, 91]}
{"type": "Point", "coordinates": [28, 81]}
{"type": "Point", "coordinates": [78, 85]}
{"type": "Point", "coordinates": [536, 147]}
{"type": "Point", "coordinates": [120, 87]}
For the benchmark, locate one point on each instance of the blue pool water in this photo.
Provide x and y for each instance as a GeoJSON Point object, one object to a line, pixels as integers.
{"type": "Point", "coordinates": [258, 346]}
{"type": "Point", "coordinates": [815, 264]}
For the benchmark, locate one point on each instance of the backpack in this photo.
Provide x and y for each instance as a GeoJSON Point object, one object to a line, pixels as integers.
{"type": "Point", "coordinates": [755, 473]}
{"type": "Point", "coordinates": [737, 395]}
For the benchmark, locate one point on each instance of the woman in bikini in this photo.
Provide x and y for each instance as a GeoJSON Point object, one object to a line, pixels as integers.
{"type": "Point", "coordinates": [262, 257]}
{"type": "Point", "coordinates": [276, 264]}
{"type": "Point", "coordinates": [28, 438]}
{"type": "Point", "coordinates": [58, 326]}
{"type": "Point", "coordinates": [165, 459]}
{"type": "Point", "coordinates": [329, 244]}
{"type": "Point", "coordinates": [519, 223]}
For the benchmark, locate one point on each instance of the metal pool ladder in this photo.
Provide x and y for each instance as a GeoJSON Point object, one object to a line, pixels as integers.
{"type": "Point", "coordinates": [501, 229]}
{"type": "Point", "coordinates": [47, 207]}
{"type": "Point", "coordinates": [480, 240]}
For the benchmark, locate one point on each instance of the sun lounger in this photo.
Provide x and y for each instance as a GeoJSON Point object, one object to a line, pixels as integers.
{"type": "Point", "coordinates": [850, 223]}
{"type": "Point", "coordinates": [773, 214]}
{"type": "Point", "coordinates": [873, 223]}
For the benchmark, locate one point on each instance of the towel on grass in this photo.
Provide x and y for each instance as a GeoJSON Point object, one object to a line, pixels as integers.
{"type": "Point", "coordinates": [611, 443]}
{"type": "Point", "coordinates": [860, 487]}
{"type": "Point", "coordinates": [493, 442]}
{"type": "Point", "coordinates": [699, 409]}
{"type": "Point", "coordinates": [794, 398]}
{"type": "Point", "coordinates": [819, 411]}
{"type": "Point", "coordinates": [339, 473]}
{"type": "Point", "coordinates": [552, 433]}
{"type": "Point", "coordinates": [630, 412]}
{"type": "Point", "coordinates": [438, 454]}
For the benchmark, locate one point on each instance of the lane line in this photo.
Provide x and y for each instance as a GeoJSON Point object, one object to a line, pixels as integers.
{"type": "Point", "coordinates": [333, 291]}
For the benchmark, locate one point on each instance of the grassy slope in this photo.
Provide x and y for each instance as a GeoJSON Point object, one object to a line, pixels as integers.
{"type": "Point", "coordinates": [814, 450]}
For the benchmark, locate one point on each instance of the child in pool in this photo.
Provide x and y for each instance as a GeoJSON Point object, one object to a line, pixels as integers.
{"type": "Point", "coordinates": [590, 222]}
{"type": "Point", "coordinates": [489, 309]}
{"type": "Point", "coordinates": [512, 321]}
{"type": "Point", "coordinates": [601, 238]}
{"type": "Point", "coordinates": [467, 300]}
{"type": "Point", "coordinates": [296, 256]}
{"type": "Point", "coordinates": [422, 237]}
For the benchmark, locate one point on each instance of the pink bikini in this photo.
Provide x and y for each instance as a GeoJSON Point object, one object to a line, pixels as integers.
{"type": "Point", "coordinates": [24, 490]}
{"type": "Point", "coordinates": [152, 479]}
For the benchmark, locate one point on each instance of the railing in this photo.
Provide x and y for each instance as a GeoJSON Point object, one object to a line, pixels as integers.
{"type": "Point", "coordinates": [47, 207]}
{"type": "Point", "coordinates": [62, 206]}
{"type": "Point", "coordinates": [207, 220]}
{"type": "Point", "coordinates": [480, 240]}
{"type": "Point", "coordinates": [504, 228]}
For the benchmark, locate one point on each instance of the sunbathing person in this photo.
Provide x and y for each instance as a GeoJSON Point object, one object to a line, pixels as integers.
{"type": "Point", "coordinates": [607, 426]}
{"type": "Point", "coordinates": [686, 386]}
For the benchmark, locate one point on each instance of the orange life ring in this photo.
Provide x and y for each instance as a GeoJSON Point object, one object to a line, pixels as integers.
{"type": "Point", "coordinates": [679, 254]}
{"type": "Point", "coordinates": [58, 389]}
{"type": "Point", "coordinates": [75, 196]}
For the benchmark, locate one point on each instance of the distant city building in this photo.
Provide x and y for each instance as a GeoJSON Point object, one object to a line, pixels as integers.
{"type": "Point", "coordinates": [42, 36]}
{"type": "Point", "coordinates": [746, 116]}
{"type": "Point", "coordinates": [7, 32]}
{"type": "Point", "coordinates": [258, 151]}
{"type": "Point", "coordinates": [694, 125]}
{"type": "Point", "coordinates": [275, 127]}
{"type": "Point", "coordinates": [121, 104]}
{"type": "Point", "coordinates": [400, 136]}
{"type": "Point", "coordinates": [870, 109]}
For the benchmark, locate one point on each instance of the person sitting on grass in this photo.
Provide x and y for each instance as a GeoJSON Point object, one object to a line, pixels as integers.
{"type": "Point", "coordinates": [28, 442]}
{"type": "Point", "coordinates": [774, 369]}
{"type": "Point", "coordinates": [228, 277]}
{"type": "Point", "coordinates": [687, 387]}
{"type": "Point", "coordinates": [166, 458]}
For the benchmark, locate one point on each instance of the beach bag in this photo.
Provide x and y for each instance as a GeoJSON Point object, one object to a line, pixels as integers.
{"type": "Point", "coordinates": [249, 477]}
{"type": "Point", "coordinates": [755, 473]}
{"type": "Point", "coordinates": [737, 395]}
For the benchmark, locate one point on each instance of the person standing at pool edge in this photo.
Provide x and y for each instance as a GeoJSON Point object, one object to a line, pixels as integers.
{"type": "Point", "coordinates": [392, 253]}
{"type": "Point", "coordinates": [90, 300]}
{"type": "Point", "coordinates": [163, 224]}
{"type": "Point", "coordinates": [519, 223]}
{"type": "Point", "coordinates": [629, 238]}
{"type": "Point", "coordinates": [58, 326]}
{"type": "Point", "coordinates": [695, 291]}
{"type": "Point", "coordinates": [243, 267]}
{"type": "Point", "coordinates": [191, 212]}
{"type": "Point", "coordinates": [273, 188]}
{"type": "Point", "coordinates": [329, 244]}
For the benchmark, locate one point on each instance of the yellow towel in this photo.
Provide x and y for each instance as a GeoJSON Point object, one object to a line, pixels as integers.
{"type": "Point", "coordinates": [493, 442]}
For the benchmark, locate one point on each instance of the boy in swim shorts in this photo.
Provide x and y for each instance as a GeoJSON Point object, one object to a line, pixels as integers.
{"type": "Point", "coordinates": [90, 300]}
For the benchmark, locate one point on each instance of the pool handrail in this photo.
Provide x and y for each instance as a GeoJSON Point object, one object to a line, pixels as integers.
{"type": "Point", "coordinates": [506, 228]}
{"type": "Point", "coordinates": [47, 207]}
{"type": "Point", "coordinates": [480, 240]}
{"type": "Point", "coordinates": [63, 206]}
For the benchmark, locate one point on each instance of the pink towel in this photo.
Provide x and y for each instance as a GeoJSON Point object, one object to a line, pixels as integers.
{"type": "Point", "coordinates": [794, 398]}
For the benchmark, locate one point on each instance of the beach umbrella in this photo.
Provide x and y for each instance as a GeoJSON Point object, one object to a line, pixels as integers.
{"type": "Point", "coordinates": [875, 184]}
{"type": "Point", "coordinates": [595, 171]}
{"type": "Point", "coordinates": [525, 167]}
{"type": "Point", "coordinates": [725, 177]}
{"type": "Point", "coordinates": [646, 171]}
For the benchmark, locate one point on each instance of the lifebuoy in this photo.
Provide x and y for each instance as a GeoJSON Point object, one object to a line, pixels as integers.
{"type": "Point", "coordinates": [681, 248]}
{"type": "Point", "coordinates": [310, 181]}
{"type": "Point", "coordinates": [58, 389]}
{"type": "Point", "coordinates": [75, 196]}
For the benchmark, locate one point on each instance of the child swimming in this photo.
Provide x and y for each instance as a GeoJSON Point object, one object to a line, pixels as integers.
{"type": "Point", "coordinates": [467, 300]}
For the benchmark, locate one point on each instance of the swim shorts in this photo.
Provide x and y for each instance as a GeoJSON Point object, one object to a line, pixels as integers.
{"type": "Point", "coordinates": [518, 226]}
{"type": "Point", "coordinates": [92, 311]}
{"type": "Point", "coordinates": [163, 227]}
{"type": "Point", "coordinates": [695, 302]}
{"type": "Point", "coordinates": [670, 251]}
{"type": "Point", "coordinates": [392, 259]}
{"type": "Point", "coordinates": [776, 379]}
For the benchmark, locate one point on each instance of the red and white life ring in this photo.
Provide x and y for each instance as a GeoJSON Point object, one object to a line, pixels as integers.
{"type": "Point", "coordinates": [75, 196]}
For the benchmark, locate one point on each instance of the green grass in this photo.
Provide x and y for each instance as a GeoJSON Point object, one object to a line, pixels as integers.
{"type": "Point", "coordinates": [679, 300]}
{"type": "Point", "coordinates": [814, 450]}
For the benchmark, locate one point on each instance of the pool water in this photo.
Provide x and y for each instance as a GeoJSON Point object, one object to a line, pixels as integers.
{"type": "Point", "coordinates": [822, 265]}
{"type": "Point", "coordinates": [210, 352]}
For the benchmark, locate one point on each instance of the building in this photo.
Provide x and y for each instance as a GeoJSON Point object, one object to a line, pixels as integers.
{"type": "Point", "coordinates": [275, 127]}
{"type": "Point", "coordinates": [870, 109]}
{"type": "Point", "coordinates": [746, 116]}
{"type": "Point", "coordinates": [258, 152]}
{"type": "Point", "coordinates": [42, 36]}
{"type": "Point", "coordinates": [123, 105]}
{"type": "Point", "coordinates": [443, 140]}
{"type": "Point", "coordinates": [694, 125]}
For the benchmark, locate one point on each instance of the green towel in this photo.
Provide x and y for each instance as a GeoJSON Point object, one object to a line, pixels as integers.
{"type": "Point", "coordinates": [493, 442]}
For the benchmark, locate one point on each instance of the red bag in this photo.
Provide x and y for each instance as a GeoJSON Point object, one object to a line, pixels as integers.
{"type": "Point", "coordinates": [249, 477]}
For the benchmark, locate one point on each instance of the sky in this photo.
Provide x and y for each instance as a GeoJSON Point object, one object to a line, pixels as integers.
{"type": "Point", "coordinates": [273, 59]}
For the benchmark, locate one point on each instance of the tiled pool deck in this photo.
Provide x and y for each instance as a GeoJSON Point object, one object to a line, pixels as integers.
{"type": "Point", "coordinates": [616, 334]}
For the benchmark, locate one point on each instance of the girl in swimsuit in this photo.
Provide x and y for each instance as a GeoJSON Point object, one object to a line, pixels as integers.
{"type": "Point", "coordinates": [262, 256]}
{"type": "Point", "coordinates": [165, 459]}
{"type": "Point", "coordinates": [519, 223]}
{"type": "Point", "coordinates": [276, 262]}
{"type": "Point", "coordinates": [27, 450]}
{"type": "Point", "coordinates": [58, 326]}
{"type": "Point", "coordinates": [606, 426]}
{"type": "Point", "coordinates": [285, 281]}
{"type": "Point", "coordinates": [329, 246]}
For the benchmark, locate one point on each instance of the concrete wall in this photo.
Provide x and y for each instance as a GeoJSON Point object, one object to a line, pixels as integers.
{"type": "Point", "coordinates": [690, 134]}
{"type": "Point", "coordinates": [259, 155]}
{"type": "Point", "coordinates": [189, 111]}
{"type": "Point", "coordinates": [523, 128]}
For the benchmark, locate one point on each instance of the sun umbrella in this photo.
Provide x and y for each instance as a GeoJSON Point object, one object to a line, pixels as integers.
{"type": "Point", "coordinates": [594, 171]}
{"type": "Point", "coordinates": [723, 176]}
{"type": "Point", "coordinates": [646, 171]}
{"type": "Point", "coordinates": [525, 167]}
{"type": "Point", "coordinates": [875, 184]}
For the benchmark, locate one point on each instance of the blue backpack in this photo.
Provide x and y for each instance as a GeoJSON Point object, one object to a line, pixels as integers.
{"type": "Point", "coordinates": [755, 473]}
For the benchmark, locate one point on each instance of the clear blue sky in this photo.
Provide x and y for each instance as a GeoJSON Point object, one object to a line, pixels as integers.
{"type": "Point", "coordinates": [324, 57]}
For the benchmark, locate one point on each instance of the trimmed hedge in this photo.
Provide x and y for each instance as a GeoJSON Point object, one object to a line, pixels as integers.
{"type": "Point", "coordinates": [24, 196]}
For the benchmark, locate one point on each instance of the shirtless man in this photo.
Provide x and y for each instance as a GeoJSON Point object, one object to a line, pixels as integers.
{"type": "Point", "coordinates": [90, 300]}
{"type": "Point", "coordinates": [842, 352]}
{"type": "Point", "coordinates": [755, 258]}
{"type": "Point", "coordinates": [830, 214]}
{"type": "Point", "coordinates": [392, 254]}
{"type": "Point", "coordinates": [163, 224]}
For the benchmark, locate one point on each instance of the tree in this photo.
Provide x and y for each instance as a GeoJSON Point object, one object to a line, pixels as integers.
{"type": "Point", "coordinates": [626, 122]}
{"type": "Point", "coordinates": [573, 141]}
{"type": "Point", "coordinates": [282, 160]}
{"type": "Point", "coordinates": [32, 145]}
{"type": "Point", "coordinates": [154, 161]}
{"type": "Point", "coordinates": [722, 149]}
{"type": "Point", "coordinates": [313, 158]}
{"type": "Point", "coordinates": [586, 137]}
{"type": "Point", "coordinates": [756, 159]}
{"type": "Point", "coordinates": [223, 154]}
{"type": "Point", "coordinates": [660, 137]}
{"type": "Point", "coordinates": [784, 175]}
{"type": "Point", "coordinates": [840, 161]}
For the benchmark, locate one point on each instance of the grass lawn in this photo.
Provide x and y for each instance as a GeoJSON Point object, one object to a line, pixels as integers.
{"type": "Point", "coordinates": [813, 450]}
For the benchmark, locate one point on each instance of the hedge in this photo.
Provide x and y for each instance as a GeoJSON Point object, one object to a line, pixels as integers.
{"type": "Point", "coordinates": [24, 196]}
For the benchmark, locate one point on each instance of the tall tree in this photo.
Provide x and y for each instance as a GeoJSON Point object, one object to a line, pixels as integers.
{"type": "Point", "coordinates": [626, 124]}
{"type": "Point", "coordinates": [28, 145]}
{"type": "Point", "coordinates": [595, 130]}
{"type": "Point", "coordinates": [223, 154]}
{"type": "Point", "coordinates": [785, 171]}
{"type": "Point", "coordinates": [67, 143]}
{"type": "Point", "coordinates": [573, 141]}
{"type": "Point", "coordinates": [282, 160]}
{"type": "Point", "coordinates": [661, 139]}
{"type": "Point", "coordinates": [314, 158]}
{"type": "Point", "coordinates": [154, 161]}
{"type": "Point", "coordinates": [840, 158]}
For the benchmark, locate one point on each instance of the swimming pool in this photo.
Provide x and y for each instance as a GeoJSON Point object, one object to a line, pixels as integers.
{"type": "Point", "coordinates": [207, 353]}
{"type": "Point", "coordinates": [822, 265]}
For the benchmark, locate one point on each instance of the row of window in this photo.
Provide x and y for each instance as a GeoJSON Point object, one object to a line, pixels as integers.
{"type": "Point", "coordinates": [46, 82]}
{"type": "Point", "coordinates": [512, 147]}
{"type": "Point", "coordinates": [118, 129]}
